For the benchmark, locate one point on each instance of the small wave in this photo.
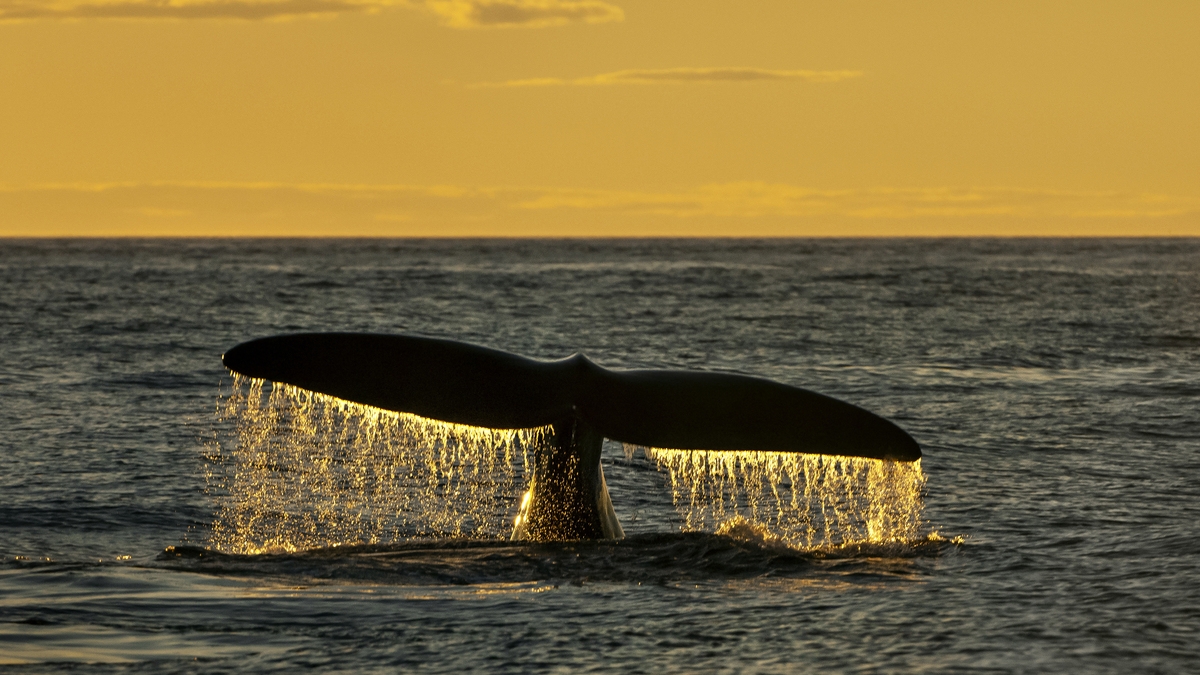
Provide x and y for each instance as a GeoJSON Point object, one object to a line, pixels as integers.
{"type": "Point", "coordinates": [744, 530]}
{"type": "Point", "coordinates": [740, 551]}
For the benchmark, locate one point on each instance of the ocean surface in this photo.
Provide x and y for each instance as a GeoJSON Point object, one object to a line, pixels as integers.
{"type": "Point", "coordinates": [1054, 386]}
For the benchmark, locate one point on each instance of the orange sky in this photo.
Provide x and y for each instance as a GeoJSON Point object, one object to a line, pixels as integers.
{"type": "Point", "coordinates": [596, 118]}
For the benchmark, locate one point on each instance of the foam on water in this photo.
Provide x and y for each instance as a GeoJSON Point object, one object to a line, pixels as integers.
{"type": "Point", "coordinates": [295, 470]}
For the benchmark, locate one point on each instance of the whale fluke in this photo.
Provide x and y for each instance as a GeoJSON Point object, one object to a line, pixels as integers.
{"type": "Point", "coordinates": [468, 384]}
{"type": "Point", "coordinates": [581, 402]}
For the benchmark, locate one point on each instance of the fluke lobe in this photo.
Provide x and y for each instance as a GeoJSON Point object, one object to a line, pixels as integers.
{"type": "Point", "coordinates": [583, 404]}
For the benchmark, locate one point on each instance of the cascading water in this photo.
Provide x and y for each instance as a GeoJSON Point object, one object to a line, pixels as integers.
{"type": "Point", "coordinates": [293, 470]}
{"type": "Point", "coordinates": [806, 501]}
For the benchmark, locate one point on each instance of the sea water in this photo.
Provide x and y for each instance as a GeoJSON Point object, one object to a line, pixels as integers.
{"type": "Point", "coordinates": [1054, 386]}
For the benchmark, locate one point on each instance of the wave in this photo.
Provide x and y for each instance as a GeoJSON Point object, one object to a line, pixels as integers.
{"type": "Point", "coordinates": [657, 558]}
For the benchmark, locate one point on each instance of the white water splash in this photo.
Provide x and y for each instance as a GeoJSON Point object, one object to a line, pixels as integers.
{"type": "Point", "coordinates": [296, 470]}
{"type": "Point", "coordinates": [805, 501]}
{"type": "Point", "coordinates": [302, 470]}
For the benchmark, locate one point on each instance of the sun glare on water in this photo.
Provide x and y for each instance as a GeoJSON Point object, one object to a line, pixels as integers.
{"type": "Point", "coordinates": [292, 470]}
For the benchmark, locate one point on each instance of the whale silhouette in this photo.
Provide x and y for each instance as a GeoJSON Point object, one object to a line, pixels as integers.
{"type": "Point", "coordinates": [582, 404]}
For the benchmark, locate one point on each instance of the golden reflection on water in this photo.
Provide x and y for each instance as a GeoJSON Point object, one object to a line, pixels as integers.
{"type": "Point", "coordinates": [298, 470]}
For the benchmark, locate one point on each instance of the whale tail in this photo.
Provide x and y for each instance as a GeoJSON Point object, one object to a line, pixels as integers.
{"type": "Point", "coordinates": [581, 402]}
{"type": "Point", "coordinates": [467, 384]}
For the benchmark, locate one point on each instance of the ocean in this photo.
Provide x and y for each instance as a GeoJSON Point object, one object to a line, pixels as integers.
{"type": "Point", "coordinates": [1054, 386]}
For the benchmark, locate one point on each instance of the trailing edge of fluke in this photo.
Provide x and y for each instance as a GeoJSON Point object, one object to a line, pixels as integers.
{"type": "Point", "coordinates": [468, 384]}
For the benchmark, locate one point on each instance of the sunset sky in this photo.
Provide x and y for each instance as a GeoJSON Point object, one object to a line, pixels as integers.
{"type": "Point", "coordinates": [597, 118]}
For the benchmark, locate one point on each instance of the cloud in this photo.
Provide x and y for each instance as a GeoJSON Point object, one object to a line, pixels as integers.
{"type": "Point", "coordinates": [17, 10]}
{"type": "Point", "coordinates": [522, 13]}
{"type": "Point", "coordinates": [741, 208]}
{"type": "Point", "coordinates": [453, 13]}
{"type": "Point", "coordinates": [153, 212]}
{"type": "Point", "coordinates": [754, 199]}
{"type": "Point", "coordinates": [686, 76]}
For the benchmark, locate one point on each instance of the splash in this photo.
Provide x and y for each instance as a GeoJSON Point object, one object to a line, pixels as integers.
{"type": "Point", "coordinates": [296, 470]}
{"type": "Point", "coordinates": [291, 470]}
{"type": "Point", "coordinates": [803, 501]}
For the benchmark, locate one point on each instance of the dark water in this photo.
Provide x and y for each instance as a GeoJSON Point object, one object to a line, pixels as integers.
{"type": "Point", "coordinates": [1055, 387]}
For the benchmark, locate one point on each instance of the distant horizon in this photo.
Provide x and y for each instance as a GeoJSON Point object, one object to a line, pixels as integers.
{"type": "Point", "coordinates": [284, 237]}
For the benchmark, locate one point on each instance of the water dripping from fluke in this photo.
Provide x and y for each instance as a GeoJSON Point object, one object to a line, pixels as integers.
{"type": "Point", "coordinates": [358, 439]}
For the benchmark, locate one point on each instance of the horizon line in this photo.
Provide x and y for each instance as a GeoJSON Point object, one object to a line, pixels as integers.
{"type": "Point", "coordinates": [450, 237]}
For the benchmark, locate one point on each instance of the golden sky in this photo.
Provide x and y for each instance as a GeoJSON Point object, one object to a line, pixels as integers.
{"type": "Point", "coordinates": [598, 118]}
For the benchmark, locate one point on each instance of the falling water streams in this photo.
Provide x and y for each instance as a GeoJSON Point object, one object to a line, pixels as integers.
{"type": "Point", "coordinates": [304, 470]}
{"type": "Point", "coordinates": [806, 501]}
{"type": "Point", "coordinates": [298, 470]}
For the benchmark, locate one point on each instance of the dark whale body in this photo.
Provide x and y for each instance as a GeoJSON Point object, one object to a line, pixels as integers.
{"type": "Point", "coordinates": [582, 402]}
